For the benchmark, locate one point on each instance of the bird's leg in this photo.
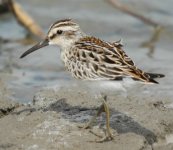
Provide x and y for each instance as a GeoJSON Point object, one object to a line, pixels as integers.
{"type": "Point", "coordinates": [107, 111]}
{"type": "Point", "coordinates": [100, 110]}
{"type": "Point", "coordinates": [103, 108]}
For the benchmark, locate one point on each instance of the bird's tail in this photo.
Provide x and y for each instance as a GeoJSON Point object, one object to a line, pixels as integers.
{"type": "Point", "coordinates": [149, 77]}
{"type": "Point", "coordinates": [155, 75]}
{"type": "Point", "coordinates": [152, 76]}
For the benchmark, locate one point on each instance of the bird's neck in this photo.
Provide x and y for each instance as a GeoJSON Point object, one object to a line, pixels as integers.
{"type": "Point", "coordinates": [68, 46]}
{"type": "Point", "coordinates": [65, 50]}
{"type": "Point", "coordinates": [69, 42]}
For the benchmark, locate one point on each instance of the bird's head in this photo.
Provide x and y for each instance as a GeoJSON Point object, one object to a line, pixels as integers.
{"type": "Point", "coordinates": [62, 33]}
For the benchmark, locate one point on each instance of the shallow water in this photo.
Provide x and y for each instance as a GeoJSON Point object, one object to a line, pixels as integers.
{"type": "Point", "coordinates": [44, 67]}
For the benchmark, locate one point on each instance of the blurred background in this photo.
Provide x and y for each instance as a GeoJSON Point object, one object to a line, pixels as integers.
{"type": "Point", "coordinates": [145, 28]}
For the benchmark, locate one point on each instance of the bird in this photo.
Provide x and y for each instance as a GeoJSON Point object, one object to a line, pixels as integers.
{"type": "Point", "coordinates": [90, 58]}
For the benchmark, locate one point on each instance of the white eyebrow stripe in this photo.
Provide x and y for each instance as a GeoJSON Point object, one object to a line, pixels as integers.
{"type": "Point", "coordinates": [65, 28]}
{"type": "Point", "coordinates": [53, 31]}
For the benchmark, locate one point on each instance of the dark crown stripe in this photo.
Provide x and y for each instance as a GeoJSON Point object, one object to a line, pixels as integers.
{"type": "Point", "coordinates": [64, 24]}
{"type": "Point", "coordinates": [59, 22]}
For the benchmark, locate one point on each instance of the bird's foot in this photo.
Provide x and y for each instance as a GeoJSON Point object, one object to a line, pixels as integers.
{"type": "Point", "coordinates": [105, 139]}
{"type": "Point", "coordinates": [102, 139]}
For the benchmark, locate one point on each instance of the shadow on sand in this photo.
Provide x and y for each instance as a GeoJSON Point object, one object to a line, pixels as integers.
{"type": "Point", "coordinates": [119, 121]}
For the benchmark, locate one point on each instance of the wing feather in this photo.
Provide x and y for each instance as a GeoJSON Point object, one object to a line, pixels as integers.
{"type": "Point", "coordinates": [105, 60]}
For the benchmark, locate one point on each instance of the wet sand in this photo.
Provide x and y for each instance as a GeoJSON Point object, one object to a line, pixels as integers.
{"type": "Point", "coordinates": [137, 122]}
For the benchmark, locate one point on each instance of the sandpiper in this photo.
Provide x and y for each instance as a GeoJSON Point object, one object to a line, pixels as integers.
{"type": "Point", "coordinates": [89, 58]}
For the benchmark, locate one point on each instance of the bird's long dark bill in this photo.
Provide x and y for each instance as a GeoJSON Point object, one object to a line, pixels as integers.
{"type": "Point", "coordinates": [36, 47]}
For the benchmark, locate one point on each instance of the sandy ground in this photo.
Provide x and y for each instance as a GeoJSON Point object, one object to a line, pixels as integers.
{"type": "Point", "coordinates": [137, 122]}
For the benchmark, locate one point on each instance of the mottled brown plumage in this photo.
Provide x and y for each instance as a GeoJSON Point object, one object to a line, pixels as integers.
{"type": "Point", "coordinates": [93, 59]}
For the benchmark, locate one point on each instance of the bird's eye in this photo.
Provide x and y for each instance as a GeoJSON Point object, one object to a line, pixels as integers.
{"type": "Point", "coordinates": [59, 31]}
